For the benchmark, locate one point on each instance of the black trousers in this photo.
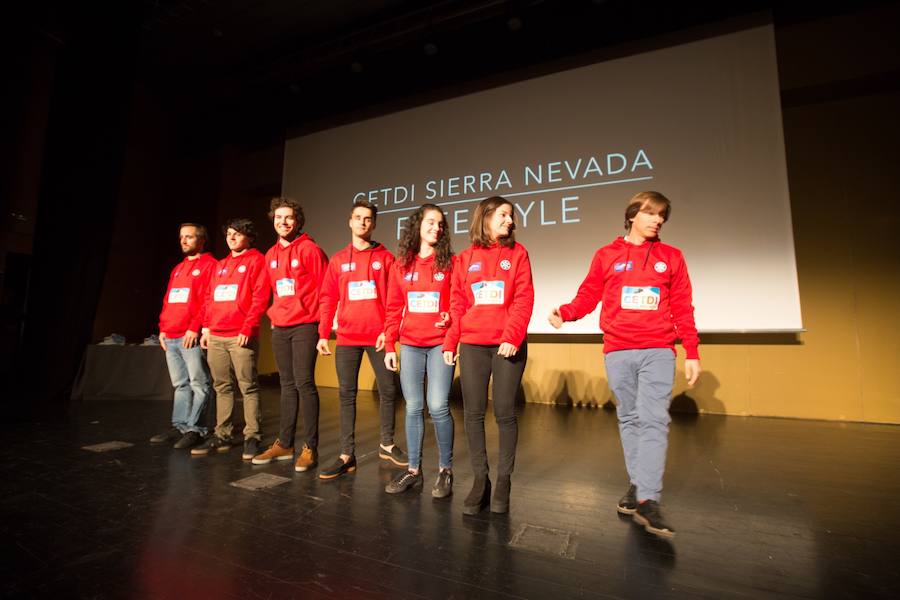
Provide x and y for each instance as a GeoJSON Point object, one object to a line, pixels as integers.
{"type": "Point", "coordinates": [347, 360]}
{"type": "Point", "coordinates": [295, 355]}
{"type": "Point", "coordinates": [476, 365]}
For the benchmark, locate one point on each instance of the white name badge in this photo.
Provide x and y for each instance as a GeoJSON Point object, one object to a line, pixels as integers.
{"type": "Point", "coordinates": [423, 302]}
{"type": "Point", "coordinates": [488, 292]}
{"type": "Point", "coordinates": [225, 292]}
{"type": "Point", "coordinates": [362, 290]}
{"type": "Point", "coordinates": [640, 298]}
{"type": "Point", "coordinates": [179, 295]}
{"type": "Point", "coordinates": [284, 287]}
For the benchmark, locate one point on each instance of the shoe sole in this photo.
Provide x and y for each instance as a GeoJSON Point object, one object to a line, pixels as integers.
{"type": "Point", "coordinates": [473, 510]}
{"type": "Point", "coordinates": [418, 484]}
{"type": "Point", "coordinates": [306, 468]}
{"type": "Point", "coordinates": [665, 533]}
{"type": "Point", "coordinates": [625, 511]}
{"type": "Point", "coordinates": [204, 452]}
{"type": "Point", "coordinates": [336, 475]}
{"type": "Point", "coordinates": [390, 458]}
{"type": "Point", "coordinates": [437, 494]}
{"type": "Point", "coordinates": [264, 461]}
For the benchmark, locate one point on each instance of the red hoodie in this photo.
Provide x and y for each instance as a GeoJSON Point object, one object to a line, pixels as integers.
{"type": "Point", "coordinates": [491, 298]}
{"type": "Point", "coordinates": [238, 295]}
{"type": "Point", "coordinates": [355, 286]}
{"type": "Point", "coordinates": [182, 309]}
{"type": "Point", "coordinates": [295, 273]}
{"type": "Point", "coordinates": [417, 295]}
{"type": "Point", "coordinates": [646, 296]}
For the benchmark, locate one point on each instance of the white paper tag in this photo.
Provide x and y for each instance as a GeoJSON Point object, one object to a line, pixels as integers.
{"type": "Point", "coordinates": [488, 292]}
{"type": "Point", "coordinates": [423, 302]}
{"type": "Point", "coordinates": [225, 292]}
{"type": "Point", "coordinates": [179, 295]}
{"type": "Point", "coordinates": [640, 298]}
{"type": "Point", "coordinates": [362, 290]}
{"type": "Point", "coordinates": [284, 287]}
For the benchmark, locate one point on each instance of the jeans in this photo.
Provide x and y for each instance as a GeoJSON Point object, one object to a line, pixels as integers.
{"type": "Point", "coordinates": [190, 378]}
{"type": "Point", "coordinates": [642, 382]}
{"type": "Point", "coordinates": [226, 359]}
{"type": "Point", "coordinates": [295, 355]}
{"type": "Point", "coordinates": [347, 360]}
{"type": "Point", "coordinates": [476, 365]}
{"type": "Point", "coordinates": [415, 363]}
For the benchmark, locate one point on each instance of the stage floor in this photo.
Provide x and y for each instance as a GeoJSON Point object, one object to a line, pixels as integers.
{"type": "Point", "coordinates": [762, 508]}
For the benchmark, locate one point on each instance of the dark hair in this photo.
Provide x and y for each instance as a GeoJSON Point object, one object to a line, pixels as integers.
{"type": "Point", "coordinates": [199, 230]}
{"type": "Point", "coordinates": [642, 199]}
{"type": "Point", "coordinates": [410, 240]}
{"type": "Point", "coordinates": [483, 212]}
{"type": "Point", "coordinates": [285, 202]}
{"type": "Point", "coordinates": [366, 204]}
{"type": "Point", "coordinates": [244, 226]}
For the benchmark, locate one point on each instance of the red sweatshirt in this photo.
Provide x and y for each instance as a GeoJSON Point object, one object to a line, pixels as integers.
{"type": "Point", "coordinates": [183, 303]}
{"type": "Point", "coordinates": [417, 295]}
{"type": "Point", "coordinates": [491, 298]}
{"type": "Point", "coordinates": [355, 286]}
{"type": "Point", "coordinates": [295, 273]}
{"type": "Point", "coordinates": [238, 295]}
{"type": "Point", "coordinates": [646, 296]}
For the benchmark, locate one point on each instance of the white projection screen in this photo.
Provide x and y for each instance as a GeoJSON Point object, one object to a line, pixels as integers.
{"type": "Point", "coordinates": [699, 122]}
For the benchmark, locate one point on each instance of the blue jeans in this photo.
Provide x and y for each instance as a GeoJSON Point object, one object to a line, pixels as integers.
{"type": "Point", "coordinates": [190, 378]}
{"type": "Point", "coordinates": [415, 363]}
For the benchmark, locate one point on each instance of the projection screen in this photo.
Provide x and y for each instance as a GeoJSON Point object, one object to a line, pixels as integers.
{"type": "Point", "coordinates": [699, 122]}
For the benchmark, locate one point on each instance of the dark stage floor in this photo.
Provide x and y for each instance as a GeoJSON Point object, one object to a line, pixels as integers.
{"type": "Point", "coordinates": [763, 508]}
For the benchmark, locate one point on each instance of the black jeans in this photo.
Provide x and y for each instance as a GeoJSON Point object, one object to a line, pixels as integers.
{"type": "Point", "coordinates": [476, 364]}
{"type": "Point", "coordinates": [347, 360]}
{"type": "Point", "coordinates": [295, 355]}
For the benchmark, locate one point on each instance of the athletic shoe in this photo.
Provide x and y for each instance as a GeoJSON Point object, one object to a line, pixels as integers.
{"type": "Point", "coordinates": [628, 503]}
{"type": "Point", "coordinates": [648, 515]}
{"type": "Point", "coordinates": [275, 452]}
{"type": "Point", "coordinates": [251, 448]}
{"type": "Point", "coordinates": [307, 460]}
{"type": "Point", "coordinates": [188, 440]}
{"type": "Point", "coordinates": [479, 497]}
{"type": "Point", "coordinates": [500, 499]}
{"type": "Point", "coordinates": [443, 487]}
{"type": "Point", "coordinates": [338, 468]}
{"type": "Point", "coordinates": [169, 435]}
{"type": "Point", "coordinates": [395, 455]}
{"type": "Point", "coordinates": [212, 444]}
{"type": "Point", "coordinates": [403, 482]}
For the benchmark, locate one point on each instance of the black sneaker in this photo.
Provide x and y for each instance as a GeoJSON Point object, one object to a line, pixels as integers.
{"type": "Point", "coordinates": [338, 468]}
{"type": "Point", "coordinates": [628, 503]}
{"type": "Point", "coordinates": [212, 444]}
{"type": "Point", "coordinates": [403, 482]}
{"type": "Point", "coordinates": [188, 440]}
{"type": "Point", "coordinates": [251, 448]}
{"type": "Point", "coordinates": [500, 499]}
{"type": "Point", "coordinates": [648, 515]}
{"type": "Point", "coordinates": [395, 455]}
{"type": "Point", "coordinates": [169, 435]}
{"type": "Point", "coordinates": [479, 497]}
{"type": "Point", "coordinates": [443, 487]}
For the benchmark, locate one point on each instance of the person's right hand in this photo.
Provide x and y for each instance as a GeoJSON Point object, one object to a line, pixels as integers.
{"type": "Point", "coordinates": [322, 347]}
{"type": "Point", "coordinates": [204, 340]}
{"type": "Point", "coordinates": [162, 341]}
{"type": "Point", "coordinates": [555, 318]}
{"type": "Point", "coordinates": [390, 361]}
{"type": "Point", "coordinates": [449, 358]}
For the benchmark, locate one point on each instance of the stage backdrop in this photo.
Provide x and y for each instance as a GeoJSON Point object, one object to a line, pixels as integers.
{"type": "Point", "coordinates": [699, 122]}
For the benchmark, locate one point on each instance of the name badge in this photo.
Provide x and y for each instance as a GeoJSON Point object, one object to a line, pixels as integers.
{"type": "Point", "coordinates": [179, 295]}
{"type": "Point", "coordinates": [640, 298]}
{"type": "Point", "coordinates": [225, 292]}
{"type": "Point", "coordinates": [423, 302]}
{"type": "Point", "coordinates": [362, 290]}
{"type": "Point", "coordinates": [488, 292]}
{"type": "Point", "coordinates": [284, 287]}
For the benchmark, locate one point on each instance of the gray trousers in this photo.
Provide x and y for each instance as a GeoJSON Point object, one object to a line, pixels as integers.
{"type": "Point", "coordinates": [642, 382]}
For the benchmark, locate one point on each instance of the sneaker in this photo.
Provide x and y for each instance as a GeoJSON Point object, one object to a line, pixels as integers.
{"type": "Point", "coordinates": [212, 444]}
{"type": "Point", "coordinates": [338, 468]}
{"type": "Point", "coordinates": [479, 497]}
{"type": "Point", "coordinates": [648, 515]}
{"type": "Point", "coordinates": [628, 503]}
{"type": "Point", "coordinates": [395, 455]}
{"type": "Point", "coordinates": [169, 435]}
{"type": "Point", "coordinates": [251, 448]}
{"type": "Point", "coordinates": [443, 487]}
{"type": "Point", "coordinates": [188, 440]}
{"type": "Point", "coordinates": [403, 482]}
{"type": "Point", "coordinates": [275, 452]}
{"type": "Point", "coordinates": [500, 499]}
{"type": "Point", "coordinates": [307, 460]}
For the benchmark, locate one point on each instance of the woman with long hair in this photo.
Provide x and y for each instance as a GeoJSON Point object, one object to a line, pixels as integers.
{"type": "Point", "coordinates": [491, 300]}
{"type": "Point", "coordinates": [417, 314]}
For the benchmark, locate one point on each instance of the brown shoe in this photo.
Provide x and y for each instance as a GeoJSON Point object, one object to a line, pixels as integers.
{"type": "Point", "coordinates": [275, 452]}
{"type": "Point", "coordinates": [308, 459]}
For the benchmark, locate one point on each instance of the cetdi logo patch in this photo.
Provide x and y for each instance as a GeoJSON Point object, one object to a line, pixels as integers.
{"type": "Point", "coordinates": [362, 290]}
{"type": "Point", "coordinates": [225, 292]}
{"type": "Point", "coordinates": [488, 292]}
{"type": "Point", "coordinates": [640, 298]}
{"type": "Point", "coordinates": [179, 295]}
{"type": "Point", "coordinates": [423, 302]}
{"type": "Point", "coordinates": [284, 287]}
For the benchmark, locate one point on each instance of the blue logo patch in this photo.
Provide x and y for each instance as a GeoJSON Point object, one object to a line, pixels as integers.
{"type": "Point", "coordinates": [474, 267]}
{"type": "Point", "coordinates": [622, 266]}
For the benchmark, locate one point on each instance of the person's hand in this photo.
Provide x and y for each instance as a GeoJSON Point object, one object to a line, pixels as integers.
{"type": "Point", "coordinates": [390, 361]}
{"type": "Point", "coordinates": [555, 318]}
{"type": "Point", "coordinates": [444, 322]}
{"type": "Point", "coordinates": [379, 342]}
{"type": "Point", "coordinates": [449, 358]}
{"type": "Point", "coordinates": [204, 340]}
{"type": "Point", "coordinates": [507, 350]}
{"type": "Point", "coordinates": [190, 339]}
{"type": "Point", "coordinates": [692, 370]}
{"type": "Point", "coordinates": [243, 340]}
{"type": "Point", "coordinates": [322, 347]}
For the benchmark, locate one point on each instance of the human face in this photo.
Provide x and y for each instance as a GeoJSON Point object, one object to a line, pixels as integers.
{"type": "Point", "coordinates": [361, 222]}
{"type": "Point", "coordinates": [501, 222]}
{"type": "Point", "coordinates": [237, 241]}
{"type": "Point", "coordinates": [432, 227]}
{"type": "Point", "coordinates": [190, 243]}
{"type": "Point", "coordinates": [285, 222]}
{"type": "Point", "coordinates": [646, 224]}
